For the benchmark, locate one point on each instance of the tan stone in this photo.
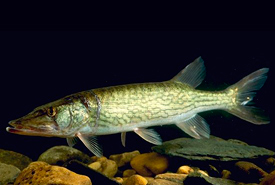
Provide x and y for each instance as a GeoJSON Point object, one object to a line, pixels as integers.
{"type": "Point", "coordinates": [135, 180]}
{"type": "Point", "coordinates": [203, 173]}
{"type": "Point", "coordinates": [150, 180]}
{"type": "Point", "coordinates": [270, 164]}
{"type": "Point", "coordinates": [226, 174]}
{"type": "Point", "coordinates": [129, 173]}
{"type": "Point", "coordinates": [270, 161]}
{"type": "Point", "coordinates": [249, 168]}
{"type": "Point", "coordinates": [125, 158]}
{"type": "Point", "coordinates": [105, 166]}
{"type": "Point", "coordinates": [8, 173]}
{"type": "Point", "coordinates": [95, 165]}
{"type": "Point", "coordinates": [149, 164]}
{"type": "Point", "coordinates": [94, 158]}
{"type": "Point", "coordinates": [185, 170]}
{"type": "Point", "coordinates": [118, 180]}
{"type": "Point", "coordinates": [43, 173]}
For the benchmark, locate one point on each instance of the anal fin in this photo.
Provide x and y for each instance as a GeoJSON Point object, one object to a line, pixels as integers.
{"type": "Point", "coordinates": [149, 135]}
{"type": "Point", "coordinates": [91, 143]}
{"type": "Point", "coordinates": [195, 126]}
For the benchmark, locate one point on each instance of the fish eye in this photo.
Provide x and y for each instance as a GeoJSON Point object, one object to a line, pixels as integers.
{"type": "Point", "coordinates": [51, 111]}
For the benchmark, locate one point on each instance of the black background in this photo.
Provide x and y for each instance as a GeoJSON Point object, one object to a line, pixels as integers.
{"type": "Point", "coordinates": [42, 65]}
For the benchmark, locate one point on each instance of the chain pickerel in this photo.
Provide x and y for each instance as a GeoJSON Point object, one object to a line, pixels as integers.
{"type": "Point", "coordinates": [134, 107]}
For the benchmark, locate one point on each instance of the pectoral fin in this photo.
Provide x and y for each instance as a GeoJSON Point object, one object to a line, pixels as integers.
{"type": "Point", "coordinates": [195, 126]}
{"type": "Point", "coordinates": [149, 135]}
{"type": "Point", "coordinates": [71, 141]}
{"type": "Point", "coordinates": [123, 138]}
{"type": "Point", "coordinates": [91, 143]}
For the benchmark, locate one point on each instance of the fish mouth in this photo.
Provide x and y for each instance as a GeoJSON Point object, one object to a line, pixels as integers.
{"type": "Point", "coordinates": [20, 131]}
{"type": "Point", "coordinates": [31, 131]}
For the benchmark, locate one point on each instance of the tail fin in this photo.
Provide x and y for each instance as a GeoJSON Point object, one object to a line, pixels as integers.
{"type": "Point", "coordinates": [243, 93]}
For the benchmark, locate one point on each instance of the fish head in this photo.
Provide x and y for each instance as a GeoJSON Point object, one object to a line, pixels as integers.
{"type": "Point", "coordinates": [61, 118]}
{"type": "Point", "coordinates": [39, 122]}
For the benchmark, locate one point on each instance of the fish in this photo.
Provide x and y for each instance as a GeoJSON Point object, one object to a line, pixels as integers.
{"type": "Point", "coordinates": [138, 107]}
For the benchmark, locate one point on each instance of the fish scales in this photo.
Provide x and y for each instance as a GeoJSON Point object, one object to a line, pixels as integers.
{"type": "Point", "coordinates": [130, 104]}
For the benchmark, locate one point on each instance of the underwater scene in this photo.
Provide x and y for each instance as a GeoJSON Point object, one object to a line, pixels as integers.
{"type": "Point", "coordinates": [166, 107]}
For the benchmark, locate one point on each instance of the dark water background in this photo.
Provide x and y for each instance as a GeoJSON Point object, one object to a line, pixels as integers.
{"type": "Point", "coordinates": [38, 67]}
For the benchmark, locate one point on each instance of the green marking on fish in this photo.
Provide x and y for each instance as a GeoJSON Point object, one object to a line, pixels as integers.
{"type": "Point", "coordinates": [134, 107]}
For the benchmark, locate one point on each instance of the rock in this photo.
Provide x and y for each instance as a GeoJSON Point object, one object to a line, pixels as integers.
{"type": "Point", "coordinates": [95, 166]}
{"type": "Point", "coordinates": [14, 158]}
{"type": "Point", "coordinates": [248, 172]}
{"type": "Point", "coordinates": [43, 173]}
{"type": "Point", "coordinates": [60, 155]}
{"type": "Point", "coordinates": [149, 164]}
{"type": "Point", "coordinates": [135, 180]}
{"type": "Point", "coordinates": [270, 161]}
{"type": "Point", "coordinates": [173, 177]}
{"type": "Point", "coordinates": [162, 182]}
{"type": "Point", "coordinates": [214, 149]}
{"type": "Point", "coordinates": [226, 174]}
{"type": "Point", "coordinates": [105, 166]}
{"type": "Point", "coordinates": [150, 180]}
{"type": "Point", "coordinates": [203, 172]}
{"type": "Point", "coordinates": [235, 141]}
{"type": "Point", "coordinates": [8, 173]}
{"type": "Point", "coordinates": [185, 170]}
{"type": "Point", "coordinates": [129, 173]}
{"type": "Point", "coordinates": [95, 176]}
{"type": "Point", "coordinates": [118, 180]}
{"type": "Point", "coordinates": [125, 158]}
{"type": "Point", "coordinates": [269, 179]}
{"type": "Point", "coordinates": [270, 164]}
{"type": "Point", "coordinates": [198, 178]}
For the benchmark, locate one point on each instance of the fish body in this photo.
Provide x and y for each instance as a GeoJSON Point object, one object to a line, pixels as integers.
{"type": "Point", "coordinates": [134, 107]}
{"type": "Point", "coordinates": [126, 107]}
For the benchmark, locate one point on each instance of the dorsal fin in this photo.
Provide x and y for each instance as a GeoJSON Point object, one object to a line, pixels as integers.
{"type": "Point", "coordinates": [193, 74]}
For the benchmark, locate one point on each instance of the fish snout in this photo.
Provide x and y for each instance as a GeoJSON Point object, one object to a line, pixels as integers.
{"type": "Point", "coordinates": [15, 123]}
{"type": "Point", "coordinates": [16, 126]}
